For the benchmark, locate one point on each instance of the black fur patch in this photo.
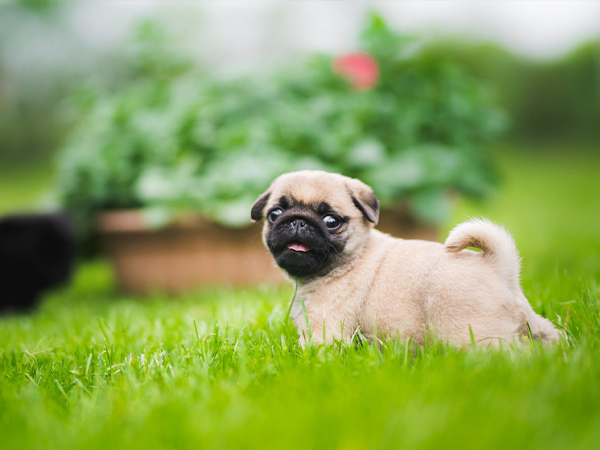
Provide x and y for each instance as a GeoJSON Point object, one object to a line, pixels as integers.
{"type": "Point", "coordinates": [256, 213]}
{"type": "Point", "coordinates": [36, 253]}
{"type": "Point", "coordinates": [368, 205]}
{"type": "Point", "coordinates": [303, 224]}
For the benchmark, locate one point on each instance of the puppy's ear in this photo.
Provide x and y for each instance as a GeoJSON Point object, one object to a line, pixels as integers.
{"type": "Point", "coordinates": [365, 200]}
{"type": "Point", "coordinates": [259, 206]}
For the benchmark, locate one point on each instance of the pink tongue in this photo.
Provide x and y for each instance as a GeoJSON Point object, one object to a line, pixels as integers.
{"type": "Point", "coordinates": [298, 247]}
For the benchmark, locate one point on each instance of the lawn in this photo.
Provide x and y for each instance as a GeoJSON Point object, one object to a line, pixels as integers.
{"type": "Point", "coordinates": [220, 368]}
{"type": "Point", "coordinates": [22, 186]}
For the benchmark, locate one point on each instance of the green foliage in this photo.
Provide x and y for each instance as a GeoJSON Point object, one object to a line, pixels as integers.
{"type": "Point", "coordinates": [23, 185]}
{"type": "Point", "coordinates": [29, 124]}
{"type": "Point", "coordinates": [42, 58]}
{"type": "Point", "coordinates": [178, 140]}
{"type": "Point", "coordinates": [546, 100]}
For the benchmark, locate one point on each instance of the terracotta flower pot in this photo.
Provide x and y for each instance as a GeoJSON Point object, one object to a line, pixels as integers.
{"type": "Point", "coordinates": [190, 253]}
{"type": "Point", "coordinates": [194, 252]}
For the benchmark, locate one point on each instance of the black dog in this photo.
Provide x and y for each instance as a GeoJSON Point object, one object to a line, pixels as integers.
{"type": "Point", "coordinates": [36, 252]}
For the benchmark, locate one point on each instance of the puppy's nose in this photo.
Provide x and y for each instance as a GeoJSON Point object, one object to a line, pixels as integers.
{"type": "Point", "coordinates": [298, 224]}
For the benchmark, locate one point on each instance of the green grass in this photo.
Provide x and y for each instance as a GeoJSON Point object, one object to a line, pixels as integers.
{"type": "Point", "coordinates": [221, 369]}
{"type": "Point", "coordinates": [22, 186]}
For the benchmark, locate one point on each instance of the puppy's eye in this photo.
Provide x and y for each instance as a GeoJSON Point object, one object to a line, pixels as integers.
{"type": "Point", "coordinates": [332, 222]}
{"type": "Point", "coordinates": [274, 214]}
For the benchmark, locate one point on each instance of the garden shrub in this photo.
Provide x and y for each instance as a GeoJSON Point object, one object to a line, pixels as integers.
{"type": "Point", "coordinates": [411, 126]}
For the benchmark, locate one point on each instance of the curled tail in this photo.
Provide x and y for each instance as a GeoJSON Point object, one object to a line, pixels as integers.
{"type": "Point", "coordinates": [496, 243]}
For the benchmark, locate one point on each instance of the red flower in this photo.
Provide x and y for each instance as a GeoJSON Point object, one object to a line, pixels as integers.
{"type": "Point", "coordinates": [360, 69]}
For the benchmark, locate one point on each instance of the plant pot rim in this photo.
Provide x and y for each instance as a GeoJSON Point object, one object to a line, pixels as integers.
{"type": "Point", "coordinates": [132, 221]}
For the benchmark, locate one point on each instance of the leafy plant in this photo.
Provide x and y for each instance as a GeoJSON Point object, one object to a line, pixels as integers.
{"type": "Point", "coordinates": [412, 127]}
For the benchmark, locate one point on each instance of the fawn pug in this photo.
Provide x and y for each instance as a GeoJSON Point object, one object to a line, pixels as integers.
{"type": "Point", "coordinates": [319, 228]}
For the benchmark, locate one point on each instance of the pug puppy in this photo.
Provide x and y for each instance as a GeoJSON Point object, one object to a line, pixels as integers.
{"type": "Point", "coordinates": [319, 229]}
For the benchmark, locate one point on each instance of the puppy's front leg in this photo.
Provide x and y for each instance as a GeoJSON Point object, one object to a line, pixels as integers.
{"type": "Point", "coordinates": [323, 326]}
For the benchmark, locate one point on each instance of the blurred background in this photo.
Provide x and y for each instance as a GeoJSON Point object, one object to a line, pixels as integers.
{"type": "Point", "coordinates": [160, 105]}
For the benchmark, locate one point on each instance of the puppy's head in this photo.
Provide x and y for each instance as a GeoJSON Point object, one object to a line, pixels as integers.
{"type": "Point", "coordinates": [315, 221]}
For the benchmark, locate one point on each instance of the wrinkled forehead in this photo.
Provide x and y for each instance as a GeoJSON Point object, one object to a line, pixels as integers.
{"type": "Point", "coordinates": [313, 189]}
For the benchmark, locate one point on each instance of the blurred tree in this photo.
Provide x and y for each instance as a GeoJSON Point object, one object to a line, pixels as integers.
{"type": "Point", "coordinates": [42, 59]}
{"type": "Point", "coordinates": [30, 125]}
{"type": "Point", "coordinates": [546, 100]}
